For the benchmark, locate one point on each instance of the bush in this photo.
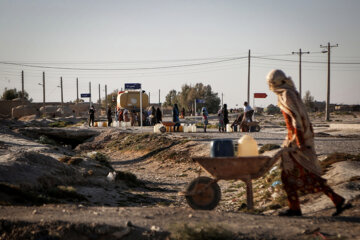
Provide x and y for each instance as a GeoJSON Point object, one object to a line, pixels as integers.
{"type": "Point", "coordinates": [272, 109]}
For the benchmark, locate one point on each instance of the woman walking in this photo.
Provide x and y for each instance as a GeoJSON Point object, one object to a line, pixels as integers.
{"type": "Point", "coordinates": [301, 170]}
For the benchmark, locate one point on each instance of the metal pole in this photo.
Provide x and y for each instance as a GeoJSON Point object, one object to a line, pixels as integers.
{"type": "Point", "coordinates": [248, 89]}
{"type": "Point", "coordinates": [99, 97]}
{"type": "Point", "coordinates": [327, 113]}
{"type": "Point", "coordinates": [300, 72]}
{"type": "Point", "coordinates": [300, 60]}
{"type": "Point", "coordinates": [141, 122]}
{"type": "Point", "coordinates": [77, 90]}
{"type": "Point", "coordinates": [195, 107]}
{"type": "Point", "coordinates": [106, 102]}
{"type": "Point", "coordinates": [44, 93]}
{"type": "Point", "coordinates": [22, 87]}
{"type": "Point", "coordinates": [222, 99]}
{"type": "Point", "coordinates": [149, 98]}
{"type": "Point", "coordinates": [62, 99]}
{"type": "Point", "coordinates": [90, 93]}
{"type": "Point", "coordinates": [159, 97]}
{"type": "Point", "coordinates": [327, 109]}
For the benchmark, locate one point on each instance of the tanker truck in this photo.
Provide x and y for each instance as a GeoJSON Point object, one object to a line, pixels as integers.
{"type": "Point", "coordinates": [130, 100]}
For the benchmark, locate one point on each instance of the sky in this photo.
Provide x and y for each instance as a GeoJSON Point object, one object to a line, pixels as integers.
{"type": "Point", "coordinates": [150, 41]}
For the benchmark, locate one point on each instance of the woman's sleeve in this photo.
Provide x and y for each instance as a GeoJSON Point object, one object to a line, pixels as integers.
{"type": "Point", "coordinates": [294, 108]}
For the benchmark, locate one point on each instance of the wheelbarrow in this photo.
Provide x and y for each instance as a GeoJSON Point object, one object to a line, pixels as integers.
{"type": "Point", "coordinates": [204, 193]}
{"type": "Point", "coordinates": [250, 126]}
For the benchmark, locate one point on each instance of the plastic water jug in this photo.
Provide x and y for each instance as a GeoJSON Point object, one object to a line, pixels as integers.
{"type": "Point", "coordinates": [193, 128]}
{"type": "Point", "coordinates": [247, 147]}
{"type": "Point", "coordinates": [221, 148]}
{"type": "Point", "coordinates": [228, 128]}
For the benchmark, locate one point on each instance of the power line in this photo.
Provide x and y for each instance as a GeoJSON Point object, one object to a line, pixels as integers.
{"type": "Point", "coordinates": [123, 69]}
{"type": "Point", "coordinates": [289, 60]}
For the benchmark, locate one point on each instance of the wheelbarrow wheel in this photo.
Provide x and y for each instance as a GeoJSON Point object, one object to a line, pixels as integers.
{"type": "Point", "coordinates": [203, 194]}
{"type": "Point", "coordinates": [257, 128]}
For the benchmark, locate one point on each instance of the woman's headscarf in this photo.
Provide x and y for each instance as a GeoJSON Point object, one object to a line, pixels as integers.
{"type": "Point", "coordinates": [302, 140]}
{"type": "Point", "coordinates": [204, 111]}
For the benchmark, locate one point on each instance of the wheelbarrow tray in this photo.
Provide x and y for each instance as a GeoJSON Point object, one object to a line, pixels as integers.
{"type": "Point", "coordinates": [228, 168]}
{"type": "Point", "coordinates": [250, 124]}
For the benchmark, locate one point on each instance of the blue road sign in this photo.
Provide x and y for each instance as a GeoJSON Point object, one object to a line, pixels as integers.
{"type": "Point", "coordinates": [85, 95]}
{"type": "Point", "coordinates": [132, 86]}
{"type": "Point", "coordinates": [200, 100]}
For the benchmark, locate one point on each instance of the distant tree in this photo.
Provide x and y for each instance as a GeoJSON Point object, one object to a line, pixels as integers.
{"type": "Point", "coordinates": [10, 94]}
{"type": "Point", "coordinates": [186, 97]}
{"type": "Point", "coordinates": [171, 98]}
{"type": "Point", "coordinates": [309, 101]}
{"type": "Point", "coordinates": [272, 109]}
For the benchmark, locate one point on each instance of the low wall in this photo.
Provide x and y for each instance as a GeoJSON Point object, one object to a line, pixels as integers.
{"type": "Point", "coordinates": [80, 109]}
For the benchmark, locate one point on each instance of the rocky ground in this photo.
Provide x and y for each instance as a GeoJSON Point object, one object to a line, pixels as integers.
{"type": "Point", "coordinates": [124, 183]}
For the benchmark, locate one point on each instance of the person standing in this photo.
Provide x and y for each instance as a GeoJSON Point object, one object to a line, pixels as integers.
{"type": "Point", "coordinates": [301, 170]}
{"type": "Point", "coordinates": [158, 115]}
{"type": "Point", "coordinates": [91, 115]}
{"type": "Point", "coordinates": [183, 112]}
{"type": "Point", "coordinates": [226, 116]}
{"type": "Point", "coordinates": [221, 120]}
{"type": "Point", "coordinates": [109, 116]}
{"type": "Point", "coordinates": [121, 115]}
{"type": "Point", "coordinates": [153, 116]}
{"type": "Point", "coordinates": [126, 115]}
{"type": "Point", "coordinates": [176, 119]}
{"type": "Point", "coordinates": [205, 116]}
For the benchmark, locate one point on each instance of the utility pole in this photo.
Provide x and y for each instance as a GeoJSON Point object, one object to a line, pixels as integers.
{"type": "Point", "coordinates": [106, 103]}
{"type": "Point", "coordinates": [43, 84]}
{"type": "Point", "coordinates": [300, 53]}
{"type": "Point", "coordinates": [149, 98]}
{"type": "Point", "coordinates": [222, 99]}
{"type": "Point", "coordinates": [159, 97]}
{"type": "Point", "coordinates": [77, 90]}
{"type": "Point", "coordinates": [327, 110]}
{"type": "Point", "coordinates": [90, 93]}
{"type": "Point", "coordinates": [248, 88]}
{"type": "Point", "coordinates": [22, 87]}
{"type": "Point", "coordinates": [99, 97]}
{"type": "Point", "coordinates": [62, 99]}
{"type": "Point", "coordinates": [77, 98]}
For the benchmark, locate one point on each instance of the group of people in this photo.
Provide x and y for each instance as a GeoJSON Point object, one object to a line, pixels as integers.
{"type": "Point", "coordinates": [223, 117]}
{"type": "Point", "coordinates": [124, 115]}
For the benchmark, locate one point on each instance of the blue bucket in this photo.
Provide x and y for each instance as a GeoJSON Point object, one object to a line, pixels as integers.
{"type": "Point", "coordinates": [222, 148]}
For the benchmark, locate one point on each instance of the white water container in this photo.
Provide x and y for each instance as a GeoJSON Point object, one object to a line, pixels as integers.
{"type": "Point", "coordinates": [157, 128]}
{"type": "Point", "coordinates": [186, 129]}
{"type": "Point", "coordinates": [229, 128]}
{"type": "Point", "coordinates": [247, 147]}
{"type": "Point", "coordinates": [193, 128]}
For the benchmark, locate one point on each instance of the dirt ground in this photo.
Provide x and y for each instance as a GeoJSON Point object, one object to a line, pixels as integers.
{"type": "Point", "coordinates": [124, 184]}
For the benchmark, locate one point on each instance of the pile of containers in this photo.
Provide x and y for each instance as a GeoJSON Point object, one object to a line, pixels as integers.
{"type": "Point", "coordinates": [182, 128]}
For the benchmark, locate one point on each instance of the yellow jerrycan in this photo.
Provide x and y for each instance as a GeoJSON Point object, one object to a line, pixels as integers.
{"type": "Point", "coordinates": [247, 147]}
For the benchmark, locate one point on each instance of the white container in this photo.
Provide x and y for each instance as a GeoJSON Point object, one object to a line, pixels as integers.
{"type": "Point", "coordinates": [229, 128]}
{"type": "Point", "coordinates": [193, 128]}
{"type": "Point", "coordinates": [186, 129]}
{"type": "Point", "coordinates": [247, 147]}
{"type": "Point", "coordinates": [157, 128]}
